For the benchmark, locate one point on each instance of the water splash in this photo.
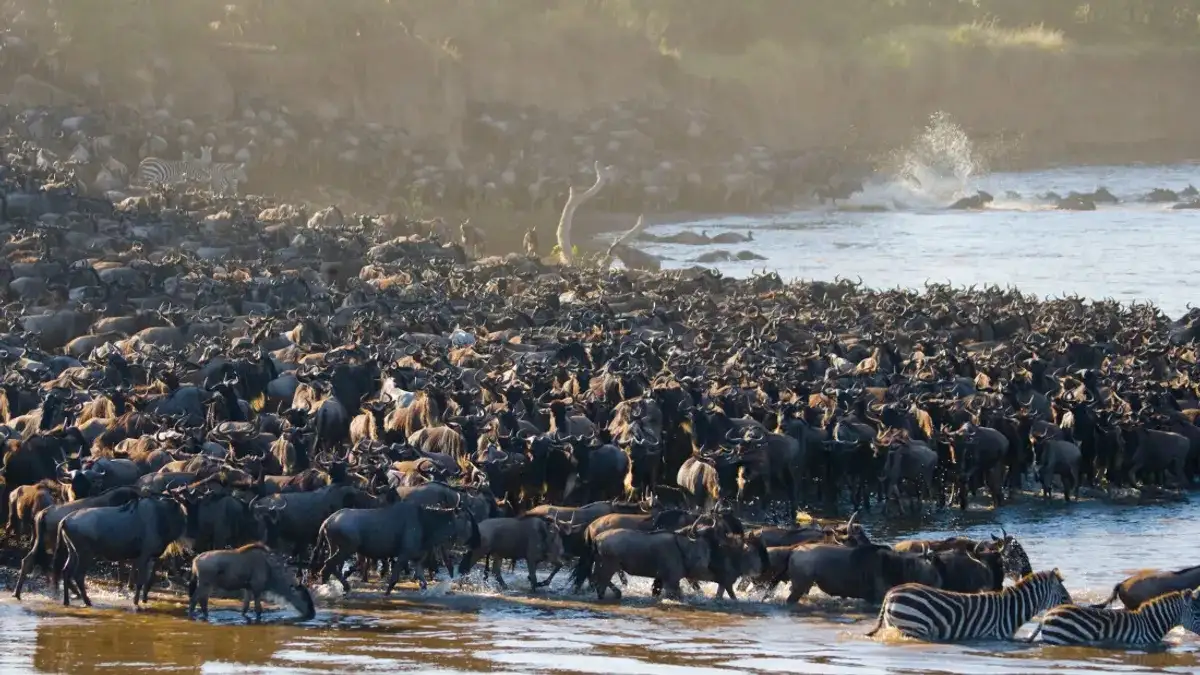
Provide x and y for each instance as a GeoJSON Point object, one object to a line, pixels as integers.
{"type": "Point", "coordinates": [937, 168]}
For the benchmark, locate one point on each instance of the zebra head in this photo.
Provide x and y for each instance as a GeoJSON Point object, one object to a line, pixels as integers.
{"type": "Point", "coordinates": [1054, 592]}
{"type": "Point", "coordinates": [237, 173]}
{"type": "Point", "coordinates": [1016, 561]}
{"type": "Point", "coordinates": [1190, 618]}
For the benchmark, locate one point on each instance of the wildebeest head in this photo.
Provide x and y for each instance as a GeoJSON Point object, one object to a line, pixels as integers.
{"type": "Point", "coordinates": [1016, 561]}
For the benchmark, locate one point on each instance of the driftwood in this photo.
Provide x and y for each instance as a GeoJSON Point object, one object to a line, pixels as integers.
{"type": "Point", "coordinates": [574, 200]}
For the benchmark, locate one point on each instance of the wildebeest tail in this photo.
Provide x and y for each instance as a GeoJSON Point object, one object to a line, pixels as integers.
{"type": "Point", "coordinates": [320, 551]}
{"type": "Point", "coordinates": [1106, 603]}
{"type": "Point", "coordinates": [583, 566]}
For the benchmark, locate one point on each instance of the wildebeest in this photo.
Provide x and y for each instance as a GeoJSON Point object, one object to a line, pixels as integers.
{"type": "Point", "coordinates": [251, 569]}
{"type": "Point", "coordinates": [138, 531]}
{"type": "Point", "coordinates": [527, 538]}
{"type": "Point", "coordinates": [401, 532]}
{"type": "Point", "coordinates": [865, 572]}
{"type": "Point", "coordinates": [44, 551]}
{"type": "Point", "coordinates": [668, 557]}
{"type": "Point", "coordinates": [1147, 584]}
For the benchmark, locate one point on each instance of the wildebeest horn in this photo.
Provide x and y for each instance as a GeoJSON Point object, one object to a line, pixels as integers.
{"type": "Point", "coordinates": [850, 523]}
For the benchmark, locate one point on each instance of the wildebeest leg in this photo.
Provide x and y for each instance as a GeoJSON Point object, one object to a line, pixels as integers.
{"type": "Point", "coordinates": [246, 595]}
{"type": "Point", "coordinates": [419, 564]}
{"type": "Point", "coordinates": [624, 579]}
{"type": "Point", "coordinates": [696, 585]}
{"type": "Point", "coordinates": [602, 580]}
{"type": "Point", "coordinates": [656, 588]}
{"type": "Point", "coordinates": [258, 607]}
{"type": "Point", "coordinates": [444, 552]}
{"type": "Point", "coordinates": [199, 594]}
{"type": "Point", "coordinates": [671, 589]}
{"type": "Point", "coordinates": [800, 588]}
{"type": "Point", "coordinates": [557, 567]}
{"type": "Point", "coordinates": [728, 589]}
{"type": "Point", "coordinates": [27, 564]}
{"type": "Point", "coordinates": [333, 565]}
{"type": "Point", "coordinates": [144, 573]}
{"type": "Point", "coordinates": [392, 579]}
{"type": "Point", "coordinates": [79, 577]}
{"type": "Point", "coordinates": [496, 569]}
{"type": "Point", "coordinates": [531, 567]}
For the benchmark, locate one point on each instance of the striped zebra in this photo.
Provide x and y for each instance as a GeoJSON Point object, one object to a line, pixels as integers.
{"type": "Point", "coordinates": [224, 177]}
{"type": "Point", "coordinates": [220, 177]}
{"type": "Point", "coordinates": [935, 615]}
{"type": "Point", "coordinates": [1142, 627]}
{"type": "Point", "coordinates": [156, 171]}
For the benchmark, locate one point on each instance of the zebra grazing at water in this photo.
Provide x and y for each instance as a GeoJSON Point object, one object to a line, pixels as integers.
{"type": "Point", "coordinates": [935, 615]}
{"type": "Point", "coordinates": [1142, 627]}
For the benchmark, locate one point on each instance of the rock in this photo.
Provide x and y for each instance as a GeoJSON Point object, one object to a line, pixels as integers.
{"type": "Point", "coordinates": [1076, 203]}
{"type": "Point", "coordinates": [975, 201]}
{"type": "Point", "coordinates": [714, 257]}
{"type": "Point", "coordinates": [1160, 195]}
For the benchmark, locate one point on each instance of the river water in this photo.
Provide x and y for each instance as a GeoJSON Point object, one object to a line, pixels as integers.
{"type": "Point", "coordinates": [1128, 251]}
{"type": "Point", "coordinates": [472, 628]}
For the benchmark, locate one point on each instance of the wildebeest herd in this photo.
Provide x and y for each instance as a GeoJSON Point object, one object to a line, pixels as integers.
{"type": "Point", "coordinates": [269, 390]}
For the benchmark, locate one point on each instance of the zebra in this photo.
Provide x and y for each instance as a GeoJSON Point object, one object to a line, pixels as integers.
{"type": "Point", "coordinates": [221, 177]}
{"type": "Point", "coordinates": [154, 171]}
{"type": "Point", "coordinates": [1141, 627]}
{"type": "Point", "coordinates": [935, 615]}
{"type": "Point", "coordinates": [224, 177]}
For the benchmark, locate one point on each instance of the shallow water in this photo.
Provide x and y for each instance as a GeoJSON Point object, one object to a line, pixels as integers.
{"type": "Point", "coordinates": [474, 628]}
{"type": "Point", "coordinates": [1129, 251]}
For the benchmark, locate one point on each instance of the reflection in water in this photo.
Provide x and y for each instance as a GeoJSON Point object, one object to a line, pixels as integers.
{"type": "Point", "coordinates": [474, 630]}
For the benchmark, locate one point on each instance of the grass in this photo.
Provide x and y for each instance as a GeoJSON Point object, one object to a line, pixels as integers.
{"type": "Point", "coordinates": [906, 46]}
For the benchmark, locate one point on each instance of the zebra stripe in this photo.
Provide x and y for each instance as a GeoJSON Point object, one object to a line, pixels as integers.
{"type": "Point", "coordinates": [153, 171]}
{"type": "Point", "coordinates": [224, 177]}
{"type": "Point", "coordinates": [932, 614]}
{"type": "Point", "coordinates": [1142, 627]}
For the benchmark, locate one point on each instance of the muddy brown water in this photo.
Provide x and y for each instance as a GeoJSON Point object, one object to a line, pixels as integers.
{"type": "Point", "coordinates": [469, 627]}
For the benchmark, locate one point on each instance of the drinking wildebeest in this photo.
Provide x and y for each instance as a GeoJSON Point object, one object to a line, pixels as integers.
{"type": "Point", "coordinates": [252, 569]}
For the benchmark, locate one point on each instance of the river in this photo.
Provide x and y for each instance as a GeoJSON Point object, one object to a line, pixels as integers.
{"type": "Point", "coordinates": [473, 628]}
{"type": "Point", "coordinates": [1127, 251]}
{"type": "Point", "coordinates": [899, 234]}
